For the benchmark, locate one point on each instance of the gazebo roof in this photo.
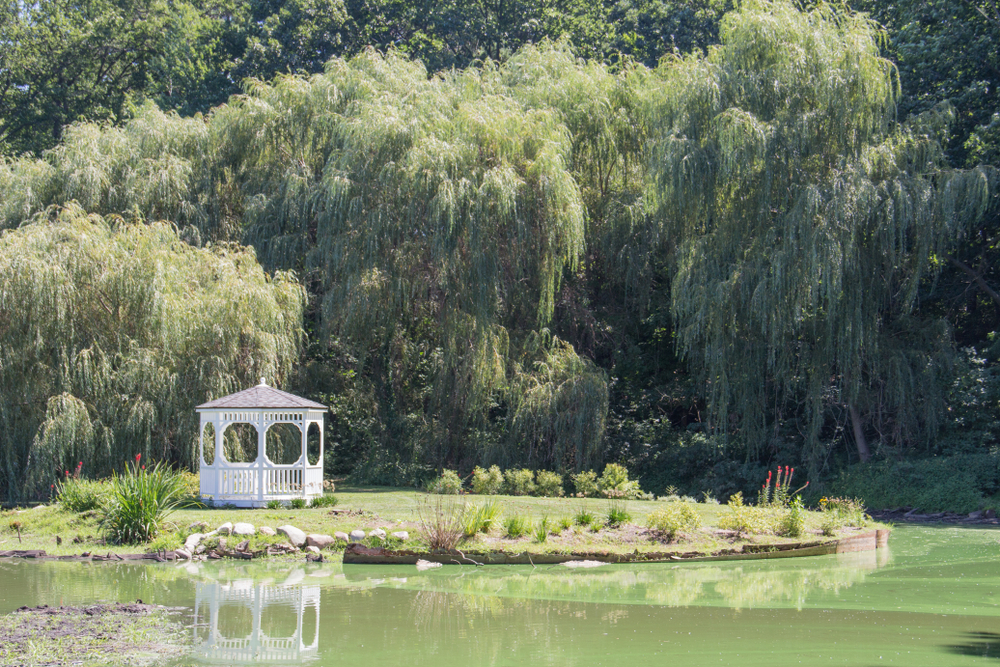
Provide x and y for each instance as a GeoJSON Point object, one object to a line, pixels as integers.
{"type": "Point", "coordinates": [261, 396]}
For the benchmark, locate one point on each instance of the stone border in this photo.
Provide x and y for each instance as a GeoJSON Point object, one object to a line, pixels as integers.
{"type": "Point", "coordinates": [361, 555]}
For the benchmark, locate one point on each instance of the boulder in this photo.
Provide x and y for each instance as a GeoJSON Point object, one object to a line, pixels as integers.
{"type": "Point", "coordinates": [266, 530]}
{"type": "Point", "coordinates": [378, 532]}
{"type": "Point", "coordinates": [342, 536]}
{"type": "Point", "coordinates": [978, 514]}
{"type": "Point", "coordinates": [193, 541]}
{"type": "Point", "coordinates": [225, 528]}
{"type": "Point", "coordinates": [183, 554]}
{"type": "Point", "coordinates": [294, 535]}
{"type": "Point", "coordinates": [312, 549]}
{"type": "Point", "coordinates": [198, 527]}
{"type": "Point", "coordinates": [357, 535]}
{"type": "Point", "coordinates": [401, 535]}
{"type": "Point", "coordinates": [320, 541]}
{"type": "Point", "coordinates": [244, 529]}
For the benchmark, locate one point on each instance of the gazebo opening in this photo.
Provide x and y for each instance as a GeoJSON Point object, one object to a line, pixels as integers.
{"type": "Point", "coordinates": [259, 445]}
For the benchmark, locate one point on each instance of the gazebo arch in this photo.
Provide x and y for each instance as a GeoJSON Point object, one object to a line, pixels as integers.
{"type": "Point", "coordinates": [254, 483]}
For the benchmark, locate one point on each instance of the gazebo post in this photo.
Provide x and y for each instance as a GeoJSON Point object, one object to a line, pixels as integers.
{"type": "Point", "coordinates": [259, 462]}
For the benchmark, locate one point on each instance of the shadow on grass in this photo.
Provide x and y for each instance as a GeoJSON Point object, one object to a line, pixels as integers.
{"type": "Point", "coordinates": [979, 645]}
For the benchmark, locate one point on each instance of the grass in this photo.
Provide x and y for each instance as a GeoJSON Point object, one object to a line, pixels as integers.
{"type": "Point", "coordinates": [392, 510]}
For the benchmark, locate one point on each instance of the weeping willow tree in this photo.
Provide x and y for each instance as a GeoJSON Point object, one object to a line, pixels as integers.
{"type": "Point", "coordinates": [111, 333]}
{"type": "Point", "coordinates": [807, 221]}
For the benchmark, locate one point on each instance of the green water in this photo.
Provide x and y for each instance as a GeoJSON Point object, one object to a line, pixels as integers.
{"type": "Point", "coordinates": [932, 599]}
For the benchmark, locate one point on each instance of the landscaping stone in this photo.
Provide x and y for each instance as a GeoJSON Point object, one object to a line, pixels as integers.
{"type": "Point", "coordinates": [401, 535]}
{"type": "Point", "coordinates": [312, 549]}
{"type": "Point", "coordinates": [320, 541]}
{"type": "Point", "coordinates": [193, 541]}
{"type": "Point", "coordinates": [357, 535]}
{"type": "Point", "coordinates": [294, 535]}
{"type": "Point", "coordinates": [978, 514]}
{"type": "Point", "coordinates": [426, 565]}
{"type": "Point", "coordinates": [342, 536]}
{"type": "Point", "coordinates": [266, 530]}
{"type": "Point", "coordinates": [198, 527]}
{"type": "Point", "coordinates": [244, 529]}
{"type": "Point", "coordinates": [225, 528]}
{"type": "Point", "coordinates": [378, 532]}
{"type": "Point", "coordinates": [990, 514]}
{"type": "Point", "coordinates": [183, 554]}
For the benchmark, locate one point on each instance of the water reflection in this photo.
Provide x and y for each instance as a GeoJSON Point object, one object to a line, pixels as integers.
{"type": "Point", "coordinates": [246, 622]}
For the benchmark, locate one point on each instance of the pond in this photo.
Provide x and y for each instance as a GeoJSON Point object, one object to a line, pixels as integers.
{"type": "Point", "coordinates": [933, 598]}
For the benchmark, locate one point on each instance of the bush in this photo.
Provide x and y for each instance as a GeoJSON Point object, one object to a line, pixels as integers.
{"type": "Point", "coordinates": [441, 526]}
{"type": "Point", "coordinates": [516, 526]}
{"type": "Point", "coordinates": [840, 512]}
{"type": "Point", "coordinates": [449, 483]}
{"type": "Point", "coordinates": [614, 483]}
{"type": "Point", "coordinates": [519, 482]}
{"type": "Point", "coordinates": [617, 513]}
{"type": "Point", "coordinates": [676, 517]}
{"type": "Point", "coordinates": [487, 482]}
{"type": "Point", "coordinates": [548, 484]}
{"type": "Point", "coordinates": [274, 505]}
{"type": "Point", "coordinates": [326, 500]}
{"type": "Point", "coordinates": [297, 503]}
{"type": "Point", "coordinates": [746, 520]}
{"type": "Point", "coordinates": [140, 501]}
{"type": "Point", "coordinates": [794, 520]}
{"type": "Point", "coordinates": [81, 495]}
{"type": "Point", "coordinates": [585, 484]}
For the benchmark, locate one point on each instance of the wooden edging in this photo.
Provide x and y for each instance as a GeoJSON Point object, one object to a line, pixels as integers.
{"type": "Point", "coordinates": [361, 555]}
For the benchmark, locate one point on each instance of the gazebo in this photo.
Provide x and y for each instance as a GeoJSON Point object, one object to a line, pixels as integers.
{"type": "Point", "coordinates": [255, 483]}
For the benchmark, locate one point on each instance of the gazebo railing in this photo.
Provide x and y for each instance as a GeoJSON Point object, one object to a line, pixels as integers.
{"type": "Point", "coordinates": [251, 482]}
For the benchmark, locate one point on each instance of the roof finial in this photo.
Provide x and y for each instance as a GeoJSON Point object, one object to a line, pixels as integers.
{"type": "Point", "coordinates": [262, 383]}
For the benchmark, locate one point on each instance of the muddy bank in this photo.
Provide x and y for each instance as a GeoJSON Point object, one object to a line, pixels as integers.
{"type": "Point", "coordinates": [127, 634]}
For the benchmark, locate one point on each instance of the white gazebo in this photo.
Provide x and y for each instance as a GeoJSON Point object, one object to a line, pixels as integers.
{"type": "Point", "coordinates": [254, 483]}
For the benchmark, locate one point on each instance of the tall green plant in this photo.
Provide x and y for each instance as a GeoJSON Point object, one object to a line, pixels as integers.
{"type": "Point", "coordinates": [141, 500]}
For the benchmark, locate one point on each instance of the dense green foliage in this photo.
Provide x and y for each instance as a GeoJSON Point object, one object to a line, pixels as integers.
{"type": "Point", "coordinates": [111, 332]}
{"type": "Point", "coordinates": [713, 241]}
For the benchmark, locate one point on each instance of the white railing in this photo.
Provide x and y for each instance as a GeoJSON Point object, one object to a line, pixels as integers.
{"type": "Point", "coordinates": [254, 484]}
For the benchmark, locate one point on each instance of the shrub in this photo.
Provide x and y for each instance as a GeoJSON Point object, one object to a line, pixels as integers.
{"type": "Point", "coordinates": [585, 484]}
{"type": "Point", "coordinates": [614, 483]}
{"type": "Point", "coordinates": [274, 505]}
{"type": "Point", "coordinates": [81, 495]}
{"type": "Point", "coordinates": [516, 526]}
{"type": "Point", "coordinates": [449, 483]}
{"type": "Point", "coordinates": [840, 512]}
{"type": "Point", "coordinates": [487, 482]}
{"type": "Point", "coordinates": [584, 517]}
{"type": "Point", "coordinates": [548, 484]}
{"type": "Point", "coordinates": [140, 501]}
{"type": "Point", "coordinates": [326, 500]}
{"type": "Point", "coordinates": [617, 513]}
{"type": "Point", "coordinates": [676, 517]}
{"type": "Point", "coordinates": [794, 520]}
{"type": "Point", "coordinates": [746, 520]}
{"type": "Point", "coordinates": [297, 503]}
{"type": "Point", "coordinates": [480, 518]}
{"type": "Point", "coordinates": [519, 482]}
{"type": "Point", "coordinates": [541, 530]}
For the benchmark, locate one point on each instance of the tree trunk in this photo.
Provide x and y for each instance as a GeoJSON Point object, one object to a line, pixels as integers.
{"type": "Point", "coordinates": [859, 434]}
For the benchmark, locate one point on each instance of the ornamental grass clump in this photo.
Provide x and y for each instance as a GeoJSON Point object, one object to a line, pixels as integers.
{"type": "Point", "coordinates": [140, 501]}
{"type": "Point", "coordinates": [617, 513]}
{"type": "Point", "coordinates": [326, 500]}
{"type": "Point", "coordinates": [841, 512]}
{"type": "Point", "coordinates": [584, 517]}
{"type": "Point", "coordinates": [80, 495]}
{"type": "Point", "coordinates": [541, 530]}
{"type": "Point", "coordinates": [480, 518]}
{"type": "Point", "coordinates": [676, 517]}
{"type": "Point", "coordinates": [516, 526]}
{"type": "Point", "coordinates": [441, 526]}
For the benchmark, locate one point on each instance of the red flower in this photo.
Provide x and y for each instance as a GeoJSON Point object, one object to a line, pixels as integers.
{"type": "Point", "coordinates": [67, 472]}
{"type": "Point", "coordinates": [137, 457]}
{"type": "Point", "coordinates": [143, 467]}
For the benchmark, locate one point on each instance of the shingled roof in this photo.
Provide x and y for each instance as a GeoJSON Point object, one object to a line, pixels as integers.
{"type": "Point", "coordinates": [261, 396]}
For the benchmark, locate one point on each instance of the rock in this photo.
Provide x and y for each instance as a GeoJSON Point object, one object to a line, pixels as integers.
{"type": "Point", "coordinates": [581, 563]}
{"type": "Point", "coordinates": [320, 541]}
{"type": "Point", "coordinates": [378, 532]}
{"type": "Point", "coordinates": [183, 554]}
{"type": "Point", "coordinates": [222, 545]}
{"type": "Point", "coordinates": [211, 534]}
{"type": "Point", "coordinates": [294, 535]}
{"type": "Point", "coordinates": [39, 507]}
{"type": "Point", "coordinates": [242, 546]}
{"type": "Point", "coordinates": [193, 541]}
{"type": "Point", "coordinates": [342, 536]}
{"type": "Point", "coordinates": [990, 514]}
{"type": "Point", "coordinates": [357, 535]}
{"type": "Point", "coordinates": [978, 514]}
{"type": "Point", "coordinates": [426, 565]}
{"type": "Point", "coordinates": [225, 528]}
{"type": "Point", "coordinates": [198, 527]}
{"type": "Point", "coordinates": [312, 549]}
{"type": "Point", "coordinates": [266, 530]}
{"type": "Point", "coordinates": [401, 535]}
{"type": "Point", "coordinates": [244, 529]}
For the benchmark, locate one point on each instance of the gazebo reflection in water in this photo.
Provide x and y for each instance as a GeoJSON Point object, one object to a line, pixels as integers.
{"type": "Point", "coordinates": [243, 622]}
